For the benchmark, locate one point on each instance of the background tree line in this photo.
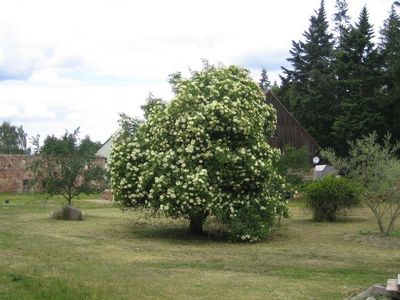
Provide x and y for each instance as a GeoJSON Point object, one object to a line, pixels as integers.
{"type": "Point", "coordinates": [13, 139]}
{"type": "Point", "coordinates": [342, 85]}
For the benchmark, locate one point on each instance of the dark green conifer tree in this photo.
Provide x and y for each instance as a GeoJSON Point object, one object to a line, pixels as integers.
{"type": "Point", "coordinates": [339, 65]}
{"type": "Point", "coordinates": [357, 70]}
{"type": "Point", "coordinates": [308, 86]}
{"type": "Point", "coordinates": [389, 49]}
{"type": "Point", "coordinates": [342, 21]}
{"type": "Point", "coordinates": [264, 84]}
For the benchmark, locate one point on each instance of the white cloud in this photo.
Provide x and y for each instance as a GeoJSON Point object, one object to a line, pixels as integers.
{"type": "Point", "coordinates": [78, 63]}
{"type": "Point", "coordinates": [8, 111]}
{"type": "Point", "coordinates": [37, 110]}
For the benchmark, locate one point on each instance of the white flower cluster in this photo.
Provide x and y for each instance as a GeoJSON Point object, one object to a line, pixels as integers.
{"type": "Point", "coordinates": [249, 238]}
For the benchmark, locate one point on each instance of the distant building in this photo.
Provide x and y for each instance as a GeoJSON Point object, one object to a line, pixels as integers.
{"type": "Point", "coordinates": [321, 171]}
{"type": "Point", "coordinates": [105, 149]}
{"type": "Point", "coordinates": [288, 130]}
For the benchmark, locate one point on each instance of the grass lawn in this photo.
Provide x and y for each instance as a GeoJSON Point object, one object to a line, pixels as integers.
{"type": "Point", "coordinates": [115, 255]}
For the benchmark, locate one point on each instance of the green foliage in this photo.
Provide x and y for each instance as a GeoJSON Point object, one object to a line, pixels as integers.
{"type": "Point", "coordinates": [294, 163]}
{"type": "Point", "coordinates": [390, 92]}
{"type": "Point", "coordinates": [343, 88]}
{"type": "Point", "coordinates": [264, 84]}
{"type": "Point", "coordinates": [376, 168]}
{"type": "Point", "coordinates": [12, 139]}
{"type": "Point", "coordinates": [342, 21]}
{"type": "Point", "coordinates": [357, 66]}
{"type": "Point", "coordinates": [247, 226]}
{"type": "Point", "coordinates": [66, 166]}
{"type": "Point", "coordinates": [307, 87]}
{"type": "Point", "coordinates": [206, 153]}
{"type": "Point", "coordinates": [328, 197]}
{"type": "Point", "coordinates": [296, 159]}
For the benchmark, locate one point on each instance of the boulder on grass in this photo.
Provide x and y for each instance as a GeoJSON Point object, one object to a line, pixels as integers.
{"type": "Point", "coordinates": [68, 213]}
{"type": "Point", "coordinates": [74, 214]}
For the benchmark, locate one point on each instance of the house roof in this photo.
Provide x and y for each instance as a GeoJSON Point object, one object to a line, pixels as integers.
{"type": "Point", "coordinates": [105, 149]}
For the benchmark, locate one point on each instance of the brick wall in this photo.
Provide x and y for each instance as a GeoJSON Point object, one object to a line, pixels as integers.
{"type": "Point", "coordinates": [14, 174]}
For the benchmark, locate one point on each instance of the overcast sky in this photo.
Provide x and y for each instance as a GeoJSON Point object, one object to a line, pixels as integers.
{"type": "Point", "coordinates": [71, 63]}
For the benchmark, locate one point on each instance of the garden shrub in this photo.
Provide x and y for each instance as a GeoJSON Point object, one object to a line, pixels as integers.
{"type": "Point", "coordinates": [249, 225]}
{"type": "Point", "coordinates": [328, 197]}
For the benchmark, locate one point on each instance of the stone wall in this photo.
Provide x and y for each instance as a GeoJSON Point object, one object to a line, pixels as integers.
{"type": "Point", "coordinates": [14, 174]}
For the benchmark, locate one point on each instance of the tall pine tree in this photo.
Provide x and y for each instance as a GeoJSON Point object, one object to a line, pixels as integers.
{"type": "Point", "coordinates": [389, 49]}
{"type": "Point", "coordinates": [357, 70]}
{"type": "Point", "coordinates": [264, 84]}
{"type": "Point", "coordinates": [308, 86]}
{"type": "Point", "coordinates": [342, 21]}
{"type": "Point", "coordinates": [341, 32]}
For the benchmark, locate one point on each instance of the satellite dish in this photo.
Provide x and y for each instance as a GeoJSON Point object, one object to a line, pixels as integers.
{"type": "Point", "coordinates": [315, 159]}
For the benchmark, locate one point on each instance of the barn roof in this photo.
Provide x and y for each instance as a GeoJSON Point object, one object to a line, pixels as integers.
{"type": "Point", "coordinates": [289, 130]}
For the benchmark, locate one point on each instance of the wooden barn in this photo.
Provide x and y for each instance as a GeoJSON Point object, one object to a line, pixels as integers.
{"type": "Point", "coordinates": [289, 131]}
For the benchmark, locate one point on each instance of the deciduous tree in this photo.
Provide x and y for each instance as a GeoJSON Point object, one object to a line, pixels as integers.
{"type": "Point", "coordinates": [376, 168]}
{"type": "Point", "coordinates": [66, 166]}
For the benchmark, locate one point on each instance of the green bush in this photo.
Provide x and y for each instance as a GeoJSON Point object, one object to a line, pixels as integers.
{"type": "Point", "coordinates": [330, 196]}
{"type": "Point", "coordinates": [249, 225]}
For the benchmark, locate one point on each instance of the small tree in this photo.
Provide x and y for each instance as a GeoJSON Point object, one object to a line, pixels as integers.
{"type": "Point", "coordinates": [66, 166]}
{"type": "Point", "coordinates": [376, 169]}
{"type": "Point", "coordinates": [206, 153]}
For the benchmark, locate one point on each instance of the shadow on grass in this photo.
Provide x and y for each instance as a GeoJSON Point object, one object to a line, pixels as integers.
{"type": "Point", "coordinates": [177, 234]}
{"type": "Point", "coordinates": [339, 220]}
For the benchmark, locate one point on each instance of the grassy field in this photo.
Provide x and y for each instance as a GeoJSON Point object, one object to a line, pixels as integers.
{"type": "Point", "coordinates": [115, 255]}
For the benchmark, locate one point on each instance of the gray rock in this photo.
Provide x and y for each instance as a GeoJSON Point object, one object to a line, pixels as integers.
{"type": "Point", "coordinates": [68, 213]}
{"type": "Point", "coordinates": [74, 214]}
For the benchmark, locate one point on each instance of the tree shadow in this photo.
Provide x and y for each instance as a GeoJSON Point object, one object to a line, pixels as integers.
{"type": "Point", "coordinates": [339, 220]}
{"type": "Point", "coordinates": [178, 234]}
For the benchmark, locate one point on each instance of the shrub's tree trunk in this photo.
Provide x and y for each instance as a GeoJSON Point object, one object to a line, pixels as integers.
{"type": "Point", "coordinates": [196, 222]}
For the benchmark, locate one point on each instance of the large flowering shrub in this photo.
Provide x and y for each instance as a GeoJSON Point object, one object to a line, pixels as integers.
{"type": "Point", "coordinates": [205, 153]}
